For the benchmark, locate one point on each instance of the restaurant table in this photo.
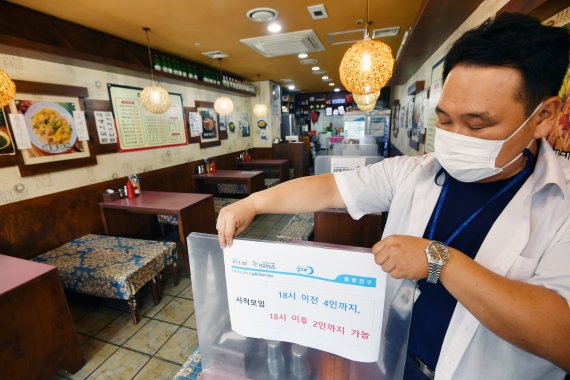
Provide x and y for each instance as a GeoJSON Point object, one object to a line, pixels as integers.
{"type": "Point", "coordinates": [336, 226]}
{"type": "Point", "coordinates": [268, 165]}
{"type": "Point", "coordinates": [38, 336]}
{"type": "Point", "coordinates": [195, 213]}
{"type": "Point", "coordinates": [206, 183]}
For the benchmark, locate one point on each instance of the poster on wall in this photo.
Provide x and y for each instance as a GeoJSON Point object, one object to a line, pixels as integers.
{"type": "Point", "coordinates": [210, 124]}
{"type": "Point", "coordinates": [47, 125]}
{"type": "Point", "coordinates": [560, 136]}
{"type": "Point", "coordinates": [139, 129]}
{"type": "Point", "coordinates": [244, 124]}
{"type": "Point", "coordinates": [6, 142]}
{"type": "Point", "coordinates": [223, 123]}
{"type": "Point", "coordinates": [418, 120]}
{"type": "Point", "coordinates": [395, 120]}
{"type": "Point", "coordinates": [232, 123]}
{"type": "Point", "coordinates": [434, 95]}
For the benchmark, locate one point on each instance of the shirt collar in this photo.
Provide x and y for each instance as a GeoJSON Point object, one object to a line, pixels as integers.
{"type": "Point", "coordinates": [549, 170]}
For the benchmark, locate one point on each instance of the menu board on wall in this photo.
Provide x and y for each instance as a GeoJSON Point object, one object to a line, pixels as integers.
{"type": "Point", "coordinates": [138, 128]}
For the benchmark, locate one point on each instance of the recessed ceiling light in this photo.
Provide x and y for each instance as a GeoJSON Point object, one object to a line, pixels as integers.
{"type": "Point", "coordinates": [331, 84]}
{"type": "Point", "coordinates": [337, 89]}
{"type": "Point", "coordinates": [291, 87]}
{"type": "Point", "coordinates": [325, 77]}
{"type": "Point", "coordinates": [262, 14]}
{"type": "Point", "coordinates": [315, 68]}
{"type": "Point", "coordinates": [196, 44]}
{"type": "Point", "coordinates": [274, 27]}
{"type": "Point", "coordinates": [309, 61]}
{"type": "Point", "coordinates": [319, 72]}
{"type": "Point", "coordinates": [302, 55]}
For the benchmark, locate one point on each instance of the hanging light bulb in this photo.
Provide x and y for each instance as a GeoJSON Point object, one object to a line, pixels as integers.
{"type": "Point", "coordinates": [154, 97]}
{"type": "Point", "coordinates": [367, 65]}
{"type": "Point", "coordinates": [366, 102]}
{"type": "Point", "coordinates": [223, 105]}
{"type": "Point", "coordinates": [260, 109]}
{"type": "Point", "coordinates": [7, 89]}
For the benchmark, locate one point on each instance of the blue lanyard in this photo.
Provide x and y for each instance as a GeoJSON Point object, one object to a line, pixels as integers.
{"type": "Point", "coordinates": [516, 179]}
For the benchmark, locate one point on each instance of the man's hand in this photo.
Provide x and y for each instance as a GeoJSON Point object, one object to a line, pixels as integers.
{"type": "Point", "coordinates": [402, 256]}
{"type": "Point", "coordinates": [233, 220]}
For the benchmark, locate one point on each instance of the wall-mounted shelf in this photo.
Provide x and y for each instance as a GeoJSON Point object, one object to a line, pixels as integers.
{"type": "Point", "coordinates": [64, 42]}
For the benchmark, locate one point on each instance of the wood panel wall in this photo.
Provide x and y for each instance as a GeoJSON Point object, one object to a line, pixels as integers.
{"type": "Point", "coordinates": [33, 226]}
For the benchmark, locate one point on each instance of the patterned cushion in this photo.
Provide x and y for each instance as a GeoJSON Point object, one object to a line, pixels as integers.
{"type": "Point", "coordinates": [269, 182]}
{"type": "Point", "coordinates": [192, 368]}
{"type": "Point", "coordinates": [222, 202]}
{"type": "Point", "coordinates": [109, 266]}
{"type": "Point", "coordinates": [300, 227]}
{"type": "Point", "coordinates": [167, 219]}
{"type": "Point", "coordinates": [231, 188]}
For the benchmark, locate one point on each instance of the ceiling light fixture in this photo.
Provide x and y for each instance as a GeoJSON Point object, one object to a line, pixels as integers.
{"type": "Point", "coordinates": [337, 89]}
{"type": "Point", "coordinates": [291, 87]}
{"type": "Point", "coordinates": [274, 27]}
{"type": "Point", "coordinates": [260, 109]}
{"type": "Point", "coordinates": [7, 89]}
{"type": "Point", "coordinates": [331, 84]}
{"type": "Point", "coordinates": [366, 103]}
{"type": "Point", "coordinates": [367, 65]}
{"type": "Point", "coordinates": [262, 14]}
{"type": "Point", "coordinates": [223, 105]}
{"type": "Point", "coordinates": [302, 55]}
{"type": "Point", "coordinates": [315, 68]}
{"type": "Point", "coordinates": [325, 77]}
{"type": "Point", "coordinates": [154, 97]}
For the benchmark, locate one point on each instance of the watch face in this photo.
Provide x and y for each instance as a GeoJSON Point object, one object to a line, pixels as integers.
{"type": "Point", "coordinates": [438, 251]}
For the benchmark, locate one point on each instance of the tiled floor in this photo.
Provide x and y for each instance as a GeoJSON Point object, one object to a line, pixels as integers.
{"type": "Point", "coordinates": [156, 347]}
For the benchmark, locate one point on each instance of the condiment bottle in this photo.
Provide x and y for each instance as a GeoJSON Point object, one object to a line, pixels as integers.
{"type": "Point", "coordinates": [213, 166]}
{"type": "Point", "coordinates": [130, 190]}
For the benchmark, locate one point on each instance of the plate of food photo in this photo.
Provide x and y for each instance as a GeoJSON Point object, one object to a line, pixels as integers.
{"type": "Point", "coordinates": [50, 127]}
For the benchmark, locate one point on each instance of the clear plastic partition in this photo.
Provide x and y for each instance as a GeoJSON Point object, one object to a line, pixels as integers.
{"type": "Point", "coordinates": [228, 355]}
{"type": "Point", "coordinates": [323, 163]}
{"type": "Point", "coordinates": [354, 149]}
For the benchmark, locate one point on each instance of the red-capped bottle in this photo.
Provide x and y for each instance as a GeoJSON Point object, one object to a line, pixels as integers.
{"type": "Point", "coordinates": [213, 166]}
{"type": "Point", "coordinates": [130, 190]}
{"type": "Point", "coordinates": [247, 156]}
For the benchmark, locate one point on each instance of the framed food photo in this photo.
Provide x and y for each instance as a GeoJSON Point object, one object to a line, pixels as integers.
{"type": "Point", "coordinates": [7, 148]}
{"type": "Point", "coordinates": [210, 135]}
{"type": "Point", "coordinates": [52, 136]}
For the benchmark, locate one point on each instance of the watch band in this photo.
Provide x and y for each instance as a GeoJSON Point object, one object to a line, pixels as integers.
{"type": "Point", "coordinates": [434, 270]}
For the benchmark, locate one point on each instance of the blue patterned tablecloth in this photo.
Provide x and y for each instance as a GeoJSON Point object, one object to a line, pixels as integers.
{"type": "Point", "coordinates": [109, 266]}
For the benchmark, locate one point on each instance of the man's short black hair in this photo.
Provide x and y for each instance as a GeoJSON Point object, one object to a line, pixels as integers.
{"type": "Point", "coordinates": [539, 53]}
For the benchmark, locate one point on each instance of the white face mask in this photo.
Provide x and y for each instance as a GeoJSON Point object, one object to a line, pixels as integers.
{"type": "Point", "coordinates": [470, 159]}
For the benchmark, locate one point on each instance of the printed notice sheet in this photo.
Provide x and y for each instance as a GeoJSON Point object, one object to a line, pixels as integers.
{"type": "Point", "coordinates": [327, 299]}
{"type": "Point", "coordinates": [343, 164]}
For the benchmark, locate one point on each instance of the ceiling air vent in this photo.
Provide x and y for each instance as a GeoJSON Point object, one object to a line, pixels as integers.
{"type": "Point", "coordinates": [216, 54]}
{"type": "Point", "coordinates": [304, 41]}
{"type": "Point", "coordinates": [386, 32]}
{"type": "Point", "coordinates": [318, 12]}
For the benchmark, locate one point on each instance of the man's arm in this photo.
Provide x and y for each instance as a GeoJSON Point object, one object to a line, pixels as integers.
{"type": "Point", "coordinates": [531, 317]}
{"type": "Point", "coordinates": [305, 194]}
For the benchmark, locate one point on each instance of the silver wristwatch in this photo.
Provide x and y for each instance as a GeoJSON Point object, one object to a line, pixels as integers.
{"type": "Point", "coordinates": [437, 255]}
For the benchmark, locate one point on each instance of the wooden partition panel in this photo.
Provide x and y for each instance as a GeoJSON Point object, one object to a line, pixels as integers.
{"type": "Point", "coordinates": [31, 227]}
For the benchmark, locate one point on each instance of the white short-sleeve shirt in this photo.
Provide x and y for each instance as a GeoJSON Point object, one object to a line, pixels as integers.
{"type": "Point", "coordinates": [529, 241]}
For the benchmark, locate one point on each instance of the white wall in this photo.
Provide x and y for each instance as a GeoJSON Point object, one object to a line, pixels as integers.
{"type": "Point", "coordinates": [14, 188]}
{"type": "Point", "coordinates": [487, 9]}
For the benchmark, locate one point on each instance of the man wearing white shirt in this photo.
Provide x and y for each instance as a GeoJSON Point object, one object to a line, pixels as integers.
{"type": "Point", "coordinates": [483, 224]}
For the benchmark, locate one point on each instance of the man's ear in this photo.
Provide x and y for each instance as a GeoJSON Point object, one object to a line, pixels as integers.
{"type": "Point", "coordinates": [547, 117]}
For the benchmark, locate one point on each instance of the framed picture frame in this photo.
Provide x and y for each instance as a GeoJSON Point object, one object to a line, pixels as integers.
{"type": "Point", "coordinates": [210, 134]}
{"type": "Point", "coordinates": [7, 145]}
{"type": "Point", "coordinates": [47, 110]}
